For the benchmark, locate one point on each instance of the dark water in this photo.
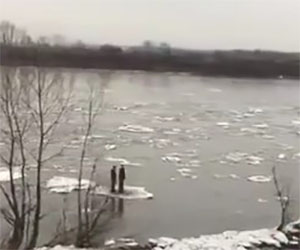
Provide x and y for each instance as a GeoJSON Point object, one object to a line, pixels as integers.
{"type": "Point", "coordinates": [184, 113]}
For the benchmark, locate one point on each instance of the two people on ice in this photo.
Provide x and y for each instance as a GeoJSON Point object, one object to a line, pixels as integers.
{"type": "Point", "coordinates": [113, 178]}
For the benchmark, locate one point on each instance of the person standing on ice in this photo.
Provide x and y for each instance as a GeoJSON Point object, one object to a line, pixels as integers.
{"type": "Point", "coordinates": [113, 178]}
{"type": "Point", "coordinates": [122, 177]}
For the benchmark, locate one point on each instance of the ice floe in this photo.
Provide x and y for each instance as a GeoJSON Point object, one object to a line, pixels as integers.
{"type": "Point", "coordinates": [172, 157]}
{"type": "Point", "coordinates": [136, 129]}
{"type": "Point", "coordinates": [261, 126]}
{"type": "Point", "coordinates": [260, 200]}
{"type": "Point", "coordinates": [228, 240]}
{"type": "Point", "coordinates": [110, 146]}
{"type": "Point", "coordinates": [223, 124]}
{"type": "Point", "coordinates": [173, 131]}
{"type": "Point", "coordinates": [130, 193]}
{"type": "Point", "coordinates": [281, 156]}
{"type": "Point", "coordinates": [259, 178]}
{"type": "Point", "coordinates": [122, 161]}
{"type": "Point", "coordinates": [5, 176]}
{"type": "Point", "coordinates": [236, 157]}
{"type": "Point", "coordinates": [61, 184]}
{"type": "Point", "coordinates": [215, 90]}
{"type": "Point", "coordinates": [166, 118]}
{"type": "Point", "coordinates": [296, 122]}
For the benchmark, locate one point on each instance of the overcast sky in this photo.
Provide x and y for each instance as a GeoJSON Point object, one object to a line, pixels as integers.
{"type": "Point", "coordinates": [200, 24]}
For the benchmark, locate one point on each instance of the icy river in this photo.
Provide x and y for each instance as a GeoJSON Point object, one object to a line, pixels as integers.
{"type": "Point", "coordinates": [204, 147]}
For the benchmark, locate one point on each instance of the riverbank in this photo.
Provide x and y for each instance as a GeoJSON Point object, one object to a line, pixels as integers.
{"type": "Point", "coordinates": [234, 63]}
{"type": "Point", "coordinates": [228, 240]}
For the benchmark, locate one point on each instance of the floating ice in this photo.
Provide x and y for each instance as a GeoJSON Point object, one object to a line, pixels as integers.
{"type": "Point", "coordinates": [281, 156]}
{"type": "Point", "coordinates": [232, 240]}
{"type": "Point", "coordinates": [268, 137]}
{"type": "Point", "coordinates": [223, 124]}
{"type": "Point", "coordinates": [171, 158]}
{"type": "Point", "coordinates": [110, 146]}
{"type": "Point", "coordinates": [260, 200]}
{"type": "Point", "coordinates": [122, 161]}
{"type": "Point", "coordinates": [130, 193]}
{"type": "Point", "coordinates": [136, 129]}
{"type": "Point", "coordinates": [249, 130]}
{"type": "Point", "coordinates": [261, 126]}
{"type": "Point", "coordinates": [5, 176]}
{"type": "Point", "coordinates": [215, 90]}
{"type": "Point", "coordinates": [254, 160]}
{"type": "Point", "coordinates": [236, 156]}
{"type": "Point", "coordinates": [60, 184]}
{"type": "Point", "coordinates": [260, 178]}
{"type": "Point", "coordinates": [173, 131]}
{"type": "Point", "coordinates": [166, 118]}
{"type": "Point", "coordinates": [296, 122]}
{"type": "Point", "coordinates": [186, 172]}
{"type": "Point", "coordinates": [255, 110]}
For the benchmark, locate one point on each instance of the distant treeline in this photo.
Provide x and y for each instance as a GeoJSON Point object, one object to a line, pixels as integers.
{"type": "Point", "coordinates": [235, 63]}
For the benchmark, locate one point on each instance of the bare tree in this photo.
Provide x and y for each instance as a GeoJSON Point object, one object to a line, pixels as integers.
{"type": "Point", "coordinates": [10, 34]}
{"type": "Point", "coordinates": [283, 196]}
{"type": "Point", "coordinates": [33, 102]}
{"type": "Point", "coordinates": [95, 103]}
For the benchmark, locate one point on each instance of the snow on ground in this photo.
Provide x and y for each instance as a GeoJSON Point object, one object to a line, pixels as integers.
{"type": "Point", "coordinates": [4, 174]}
{"type": "Point", "coordinates": [229, 240]}
{"type": "Point", "coordinates": [136, 129]}
{"type": "Point", "coordinates": [130, 193]}
{"type": "Point", "coordinates": [61, 184]}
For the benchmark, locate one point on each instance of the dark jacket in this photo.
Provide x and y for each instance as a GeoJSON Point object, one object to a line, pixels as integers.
{"type": "Point", "coordinates": [113, 175]}
{"type": "Point", "coordinates": [122, 175]}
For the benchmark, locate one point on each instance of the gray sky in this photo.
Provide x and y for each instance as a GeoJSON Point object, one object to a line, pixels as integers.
{"type": "Point", "coordinates": [200, 24]}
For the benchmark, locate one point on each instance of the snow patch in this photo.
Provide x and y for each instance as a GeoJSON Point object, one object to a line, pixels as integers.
{"type": "Point", "coordinates": [229, 240]}
{"type": "Point", "coordinates": [130, 193]}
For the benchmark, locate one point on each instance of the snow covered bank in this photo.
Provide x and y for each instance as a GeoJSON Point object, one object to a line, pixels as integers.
{"type": "Point", "coordinates": [130, 193]}
{"type": "Point", "coordinates": [229, 240]}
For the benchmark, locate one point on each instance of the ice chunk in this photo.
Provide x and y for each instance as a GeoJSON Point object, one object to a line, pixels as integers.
{"type": "Point", "coordinates": [268, 137]}
{"type": "Point", "coordinates": [249, 130]}
{"type": "Point", "coordinates": [122, 161]}
{"type": "Point", "coordinates": [261, 126]}
{"type": "Point", "coordinates": [60, 184]}
{"type": "Point", "coordinates": [224, 125]}
{"type": "Point", "coordinates": [281, 156]}
{"type": "Point", "coordinates": [110, 146]}
{"type": "Point", "coordinates": [5, 176]}
{"type": "Point", "coordinates": [260, 178]}
{"type": "Point", "coordinates": [236, 156]}
{"type": "Point", "coordinates": [254, 160]}
{"type": "Point", "coordinates": [255, 110]}
{"type": "Point", "coordinates": [130, 193]}
{"type": "Point", "coordinates": [166, 118]}
{"type": "Point", "coordinates": [296, 122]}
{"type": "Point", "coordinates": [260, 200]}
{"type": "Point", "coordinates": [110, 242]}
{"type": "Point", "coordinates": [171, 158]}
{"type": "Point", "coordinates": [215, 90]}
{"type": "Point", "coordinates": [173, 131]}
{"type": "Point", "coordinates": [136, 129]}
